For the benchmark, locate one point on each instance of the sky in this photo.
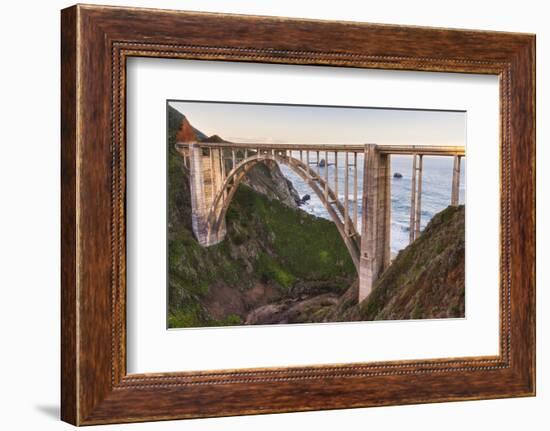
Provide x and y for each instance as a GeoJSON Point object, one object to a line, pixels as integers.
{"type": "Point", "coordinates": [270, 123]}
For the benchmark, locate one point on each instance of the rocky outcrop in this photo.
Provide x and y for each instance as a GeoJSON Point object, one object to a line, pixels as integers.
{"type": "Point", "coordinates": [213, 139]}
{"type": "Point", "coordinates": [267, 179]}
{"type": "Point", "coordinates": [294, 310]}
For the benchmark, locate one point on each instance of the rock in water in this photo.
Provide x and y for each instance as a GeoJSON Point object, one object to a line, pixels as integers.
{"type": "Point", "coordinates": [397, 175]}
{"type": "Point", "coordinates": [305, 198]}
{"type": "Point", "coordinates": [293, 192]}
{"type": "Point", "coordinates": [322, 163]}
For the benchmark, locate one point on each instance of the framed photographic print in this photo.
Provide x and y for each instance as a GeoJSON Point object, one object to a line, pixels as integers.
{"type": "Point", "coordinates": [266, 215]}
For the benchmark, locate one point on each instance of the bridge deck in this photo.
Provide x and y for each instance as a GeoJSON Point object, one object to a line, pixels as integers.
{"type": "Point", "coordinates": [426, 150]}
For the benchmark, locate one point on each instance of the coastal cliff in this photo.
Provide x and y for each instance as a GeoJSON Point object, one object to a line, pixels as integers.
{"type": "Point", "coordinates": [273, 251]}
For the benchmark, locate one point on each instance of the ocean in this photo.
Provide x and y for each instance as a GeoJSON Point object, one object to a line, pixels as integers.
{"type": "Point", "coordinates": [437, 175]}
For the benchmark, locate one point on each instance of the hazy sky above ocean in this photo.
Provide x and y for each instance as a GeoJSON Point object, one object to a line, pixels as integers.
{"type": "Point", "coordinates": [325, 125]}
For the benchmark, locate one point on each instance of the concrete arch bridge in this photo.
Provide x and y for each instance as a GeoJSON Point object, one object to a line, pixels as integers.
{"type": "Point", "coordinates": [217, 169]}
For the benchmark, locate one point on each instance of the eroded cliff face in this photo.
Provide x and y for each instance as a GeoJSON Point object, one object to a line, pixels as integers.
{"type": "Point", "coordinates": [267, 179]}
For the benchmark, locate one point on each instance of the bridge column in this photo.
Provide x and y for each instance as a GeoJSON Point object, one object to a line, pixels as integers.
{"type": "Point", "coordinates": [456, 181]}
{"type": "Point", "coordinates": [376, 219]}
{"type": "Point", "coordinates": [205, 178]}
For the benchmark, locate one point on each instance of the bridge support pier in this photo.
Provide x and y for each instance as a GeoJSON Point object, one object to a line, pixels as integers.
{"type": "Point", "coordinates": [455, 191]}
{"type": "Point", "coordinates": [205, 172]}
{"type": "Point", "coordinates": [376, 219]}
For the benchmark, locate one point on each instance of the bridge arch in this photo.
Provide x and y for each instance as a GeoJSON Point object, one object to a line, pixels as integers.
{"type": "Point", "coordinates": [223, 198]}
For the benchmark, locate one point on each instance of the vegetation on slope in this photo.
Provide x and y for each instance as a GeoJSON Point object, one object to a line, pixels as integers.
{"type": "Point", "coordinates": [268, 244]}
{"type": "Point", "coordinates": [425, 280]}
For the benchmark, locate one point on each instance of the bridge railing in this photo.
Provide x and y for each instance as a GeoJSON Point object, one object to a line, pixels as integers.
{"type": "Point", "coordinates": [427, 150]}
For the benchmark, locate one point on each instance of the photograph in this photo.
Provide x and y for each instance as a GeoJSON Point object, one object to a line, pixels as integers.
{"type": "Point", "coordinates": [309, 214]}
{"type": "Point", "coordinates": [275, 215]}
